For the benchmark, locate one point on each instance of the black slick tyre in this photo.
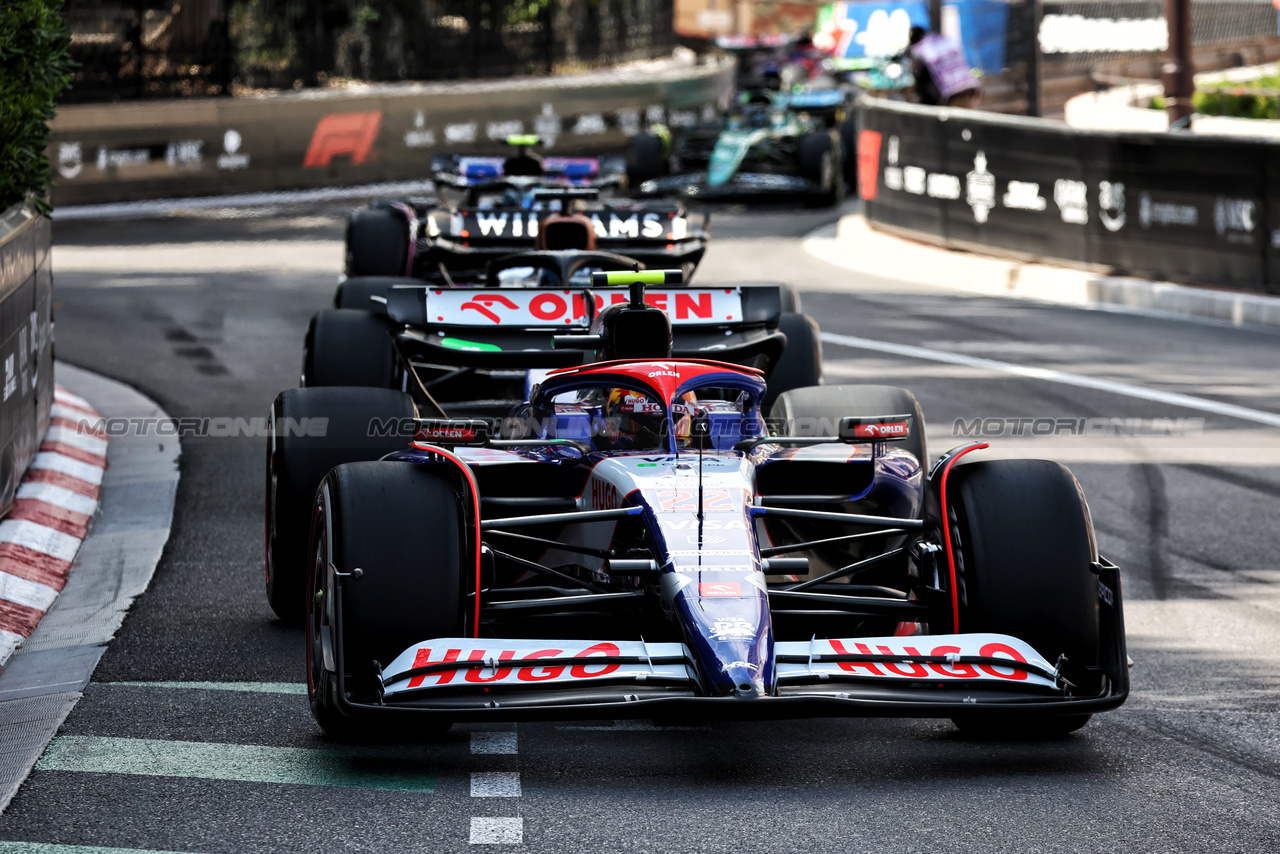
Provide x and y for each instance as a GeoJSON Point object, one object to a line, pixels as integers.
{"type": "Point", "coordinates": [1023, 543]}
{"type": "Point", "coordinates": [310, 431]}
{"type": "Point", "coordinates": [357, 292]}
{"type": "Point", "coordinates": [402, 525]}
{"type": "Point", "coordinates": [849, 142]}
{"type": "Point", "coordinates": [800, 365]}
{"type": "Point", "coordinates": [348, 347]}
{"type": "Point", "coordinates": [377, 243]}
{"type": "Point", "coordinates": [818, 161]}
{"type": "Point", "coordinates": [817, 411]}
{"type": "Point", "coordinates": [645, 158]}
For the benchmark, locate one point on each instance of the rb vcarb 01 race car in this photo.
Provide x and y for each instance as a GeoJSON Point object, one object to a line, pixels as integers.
{"type": "Point", "coordinates": [488, 207]}
{"type": "Point", "coordinates": [635, 542]}
{"type": "Point", "coordinates": [464, 352]}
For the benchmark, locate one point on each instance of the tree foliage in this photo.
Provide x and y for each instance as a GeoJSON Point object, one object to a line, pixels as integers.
{"type": "Point", "coordinates": [34, 70]}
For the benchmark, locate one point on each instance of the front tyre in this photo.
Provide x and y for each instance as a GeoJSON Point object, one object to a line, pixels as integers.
{"type": "Point", "coordinates": [819, 161]}
{"type": "Point", "coordinates": [1023, 544]}
{"type": "Point", "coordinates": [402, 525]}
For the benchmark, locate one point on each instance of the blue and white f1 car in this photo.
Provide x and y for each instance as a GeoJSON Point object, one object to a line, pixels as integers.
{"type": "Point", "coordinates": [637, 540]}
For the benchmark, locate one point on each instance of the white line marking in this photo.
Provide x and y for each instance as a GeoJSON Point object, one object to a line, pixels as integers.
{"type": "Point", "coordinates": [497, 831]}
{"type": "Point", "coordinates": [243, 200]}
{"type": "Point", "coordinates": [31, 594]}
{"type": "Point", "coordinates": [66, 465]}
{"type": "Point", "coordinates": [495, 784]}
{"type": "Point", "coordinates": [1048, 375]}
{"type": "Point", "coordinates": [494, 742]}
{"type": "Point", "coordinates": [631, 726]}
{"type": "Point", "coordinates": [58, 497]}
{"type": "Point", "coordinates": [39, 538]}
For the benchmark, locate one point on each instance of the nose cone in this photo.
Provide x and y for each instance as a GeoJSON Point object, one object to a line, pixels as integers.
{"type": "Point", "coordinates": [744, 681]}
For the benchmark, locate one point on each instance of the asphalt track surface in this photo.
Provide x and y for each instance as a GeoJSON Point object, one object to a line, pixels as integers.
{"type": "Point", "coordinates": [206, 316]}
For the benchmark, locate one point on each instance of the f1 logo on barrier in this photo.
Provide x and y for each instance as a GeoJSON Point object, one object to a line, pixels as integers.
{"type": "Point", "coordinates": [350, 134]}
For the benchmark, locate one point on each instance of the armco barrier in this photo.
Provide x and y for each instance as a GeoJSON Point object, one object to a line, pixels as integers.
{"type": "Point", "coordinates": [1175, 206]}
{"type": "Point", "coordinates": [297, 140]}
{"type": "Point", "coordinates": [26, 343]}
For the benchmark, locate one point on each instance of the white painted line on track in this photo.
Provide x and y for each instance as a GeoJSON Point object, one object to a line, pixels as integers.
{"type": "Point", "coordinates": [497, 831]}
{"type": "Point", "coordinates": [295, 688]}
{"type": "Point", "coordinates": [1169, 398]}
{"type": "Point", "coordinates": [495, 784]}
{"type": "Point", "coordinates": [631, 726]}
{"type": "Point", "coordinates": [494, 742]}
{"type": "Point", "coordinates": [243, 200]}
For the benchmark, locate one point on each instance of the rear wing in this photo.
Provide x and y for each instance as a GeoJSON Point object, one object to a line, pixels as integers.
{"type": "Point", "coordinates": [568, 309]}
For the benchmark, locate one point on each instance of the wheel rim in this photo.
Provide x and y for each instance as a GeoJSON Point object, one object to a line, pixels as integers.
{"type": "Point", "coordinates": [270, 515]}
{"type": "Point", "coordinates": [317, 606]}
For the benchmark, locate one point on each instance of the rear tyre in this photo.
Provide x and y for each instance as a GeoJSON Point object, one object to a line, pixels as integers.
{"type": "Point", "coordinates": [1023, 543]}
{"type": "Point", "coordinates": [818, 161]}
{"type": "Point", "coordinates": [355, 293]}
{"type": "Point", "coordinates": [377, 243]}
{"type": "Point", "coordinates": [402, 525]}
{"type": "Point", "coordinates": [346, 347]}
{"type": "Point", "coordinates": [301, 448]}
{"type": "Point", "coordinates": [817, 411]}
{"type": "Point", "coordinates": [645, 158]}
{"type": "Point", "coordinates": [849, 144]}
{"type": "Point", "coordinates": [801, 363]}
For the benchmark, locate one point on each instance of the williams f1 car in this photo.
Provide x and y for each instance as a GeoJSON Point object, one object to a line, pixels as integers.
{"type": "Point", "coordinates": [636, 541]}
{"type": "Point", "coordinates": [488, 207]}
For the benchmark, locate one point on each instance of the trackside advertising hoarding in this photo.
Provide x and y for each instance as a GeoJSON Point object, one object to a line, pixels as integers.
{"type": "Point", "coordinates": [300, 140]}
{"type": "Point", "coordinates": [1175, 206]}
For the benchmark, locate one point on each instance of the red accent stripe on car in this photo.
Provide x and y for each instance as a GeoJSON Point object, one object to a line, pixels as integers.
{"type": "Point", "coordinates": [946, 533]}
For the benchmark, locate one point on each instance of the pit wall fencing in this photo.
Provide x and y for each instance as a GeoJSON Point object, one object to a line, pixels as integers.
{"type": "Point", "coordinates": [1173, 206]}
{"type": "Point", "coordinates": [26, 343]}
{"type": "Point", "coordinates": [307, 140]}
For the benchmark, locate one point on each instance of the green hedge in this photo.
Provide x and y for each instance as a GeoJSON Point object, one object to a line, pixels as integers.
{"type": "Point", "coordinates": [34, 70]}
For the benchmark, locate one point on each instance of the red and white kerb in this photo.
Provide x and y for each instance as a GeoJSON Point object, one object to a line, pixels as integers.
{"type": "Point", "coordinates": [50, 516]}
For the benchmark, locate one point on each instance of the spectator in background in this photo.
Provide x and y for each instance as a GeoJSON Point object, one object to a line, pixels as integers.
{"type": "Point", "coordinates": [942, 74]}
